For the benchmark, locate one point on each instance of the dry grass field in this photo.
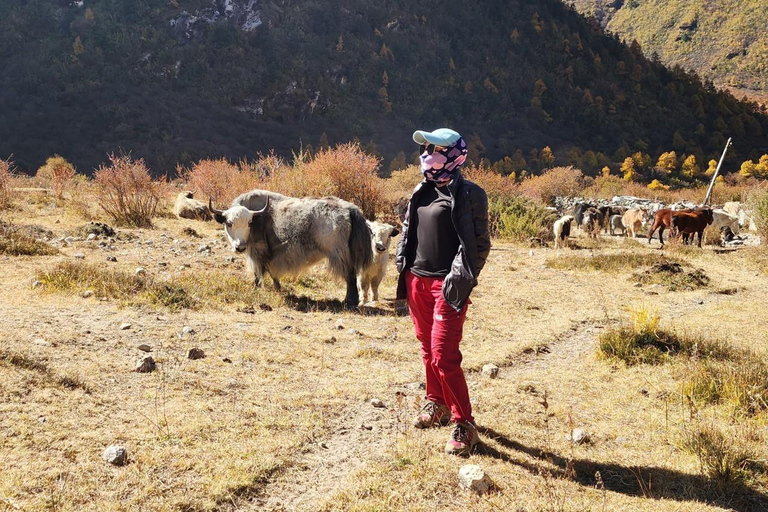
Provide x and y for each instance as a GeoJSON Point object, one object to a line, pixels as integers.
{"type": "Point", "coordinates": [277, 416]}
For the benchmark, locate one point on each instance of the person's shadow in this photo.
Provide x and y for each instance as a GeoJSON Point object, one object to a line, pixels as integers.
{"type": "Point", "coordinates": [648, 481]}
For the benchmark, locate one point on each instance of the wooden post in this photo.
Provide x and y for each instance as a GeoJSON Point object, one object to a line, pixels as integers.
{"type": "Point", "coordinates": [714, 176]}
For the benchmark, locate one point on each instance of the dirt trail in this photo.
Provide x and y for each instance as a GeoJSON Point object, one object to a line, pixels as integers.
{"type": "Point", "coordinates": [362, 433]}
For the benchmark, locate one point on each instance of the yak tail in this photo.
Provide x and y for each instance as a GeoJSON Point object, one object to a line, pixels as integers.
{"type": "Point", "coordinates": [360, 249]}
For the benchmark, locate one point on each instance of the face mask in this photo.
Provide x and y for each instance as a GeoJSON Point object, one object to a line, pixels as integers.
{"type": "Point", "coordinates": [441, 164]}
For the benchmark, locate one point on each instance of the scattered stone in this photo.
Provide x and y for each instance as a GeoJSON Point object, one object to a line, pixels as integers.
{"type": "Point", "coordinates": [195, 353]}
{"type": "Point", "coordinates": [87, 294]}
{"type": "Point", "coordinates": [579, 436]}
{"type": "Point", "coordinates": [415, 385]}
{"type": "Point", "coordinates": [473, 478]}
{"type": "Point", "coordinates": [184, 266]}
{"type": "Point", "coordinates": [377, 403]}
{"type": "Point", "coordinates": [366, 427]}
{"type": "Point", "coordinates": [233, 383]}
{"type": "Point", "coordinates": [115, 455]}
{"type": "Point", "coordinates": [96, 229]}
{"type": "Point", "coordinates": [265, 307]}
{"type": "Point", "coordinates": [125, 327]}
{"type": "Point", "coordinates": [638, 285]}
{"type": "Point", "coordinates": [187, 329]}
{"type": "Point", "coordinates": [92, 236]}
{"type": "Point", "coordinates": [141, 272]}
{"type": "Point", "coordinates": [330, 340]}
{"type": "Point", "coordinates": [111, 258]}
{"type": "Point", "coordinates": [162, 263]}
{"type": "Point", "coordinates": [226, 360]}
{"type": "Point", "coordinates": [354, 332]}
{"type": "Point", "coordinates": [324, 446]}
{"type": "Point", "coordinates": [41, 342]}
{"type": "Point", "coordinates": [340, 324]}
{"type": "Point", "coordinates": [146, 365]}
{"type": "Point", "coordinates": [190, 232]}
{"type": "Point", "coordinates": [42, 419]}
{"type": "Point", "coordinates": [36, 284]}
{"type": "Point", "coordinates": [144, 347]}
{"type": "Point", "coordinates": [69, 240]}
{"type": "Point", "coordinates": [491, 371]}
{"type": "Point", "coordinates": [79, 256]}
{"type": "Point", "coordinates": [247, 309]}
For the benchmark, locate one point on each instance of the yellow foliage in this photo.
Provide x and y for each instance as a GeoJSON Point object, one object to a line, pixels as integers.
{"type": "Point", "coordinates": [657, 185]}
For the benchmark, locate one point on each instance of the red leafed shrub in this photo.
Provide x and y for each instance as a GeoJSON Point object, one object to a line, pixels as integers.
{"type": "Point", "coordinates": [126, 192]}
{"type": "Point", "coordinates": [558, 181]}
{"type": "Point", "coordinates": [345, 171]}
{"type": "Point", "coordinates": [220, 180]}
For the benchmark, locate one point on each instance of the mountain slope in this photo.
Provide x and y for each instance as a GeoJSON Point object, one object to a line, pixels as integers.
{"type": "Point", "coordinates": [722, 40]}
{"type": "Point", "coordinates": [181, 80]}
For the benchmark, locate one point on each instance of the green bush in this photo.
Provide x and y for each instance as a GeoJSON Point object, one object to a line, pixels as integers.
{"type": "Point", "coordinates": [758, 204]}
{"type": "Point", "coordinates": [519, 219]}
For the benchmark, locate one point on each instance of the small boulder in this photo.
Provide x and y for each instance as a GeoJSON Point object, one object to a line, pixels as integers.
{"type": "Point", "coordinates": [87, 294]}
{"type": "Point", "coordinates": [79, 256]}
{"type": "Point", "coordinates": [125, 327]}
{"type": "Point", "coordinates": [491, 371]}
{"type": "Point", "coordinates": [145, 365]}
{"type": "Point", "coordinates": [377, 403]}
{"type": "Point", "coordinates": [473, 478]}
{"type": "Point", "coordinates": [187, 330]}
{"type": "Point", "coordinates": [115, 455]}
{"type": "Point", "coordinates": [144, 347]}
{"type": "Point", "coordinates": [579, 436]}
{"type": "Point", "coordinates": [141, 272]}
{"type": "Point", "coordinates": [195, 353]}
{"type": "Point", "coordinates": [111, 258]}
{"type": "Point", "coordinates": [37, 284]}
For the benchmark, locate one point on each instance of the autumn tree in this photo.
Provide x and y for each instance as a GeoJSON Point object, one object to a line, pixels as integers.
{"type": "Point", "coordinates": [690, 169]}
{"type": "Point", "coordinates": [546, 157]}
{"type": "Point", "coordinates": [667, 162]}
{"type": "Point", "coordinates": [628, 170]}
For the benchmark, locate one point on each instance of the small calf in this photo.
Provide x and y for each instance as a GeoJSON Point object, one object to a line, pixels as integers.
{"type": "Point", "coordinates": [373, 274]}
{"type": "Point", "coordinates": [562, 230]}
{"type": "Point", "coordinates": [616, 224]}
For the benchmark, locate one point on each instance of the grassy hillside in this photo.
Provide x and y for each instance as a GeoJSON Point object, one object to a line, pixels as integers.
{"type": "Point", "coordinates": [722, 40]}
{"type": "Point", "coordinates": [177, 81]}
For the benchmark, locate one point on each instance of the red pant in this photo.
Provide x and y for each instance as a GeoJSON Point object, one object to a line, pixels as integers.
{"type": "Point", "coordinates": [439, 328]}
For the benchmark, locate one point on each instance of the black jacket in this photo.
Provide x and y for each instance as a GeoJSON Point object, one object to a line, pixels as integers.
{"type": "Point", "coordinates": [469, 211]}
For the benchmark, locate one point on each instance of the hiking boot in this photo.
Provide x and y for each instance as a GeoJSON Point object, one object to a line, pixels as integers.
{"type": "Point", "coordinates": [463, 439]}
{"type": "Point", "coordinates": [432, 414]}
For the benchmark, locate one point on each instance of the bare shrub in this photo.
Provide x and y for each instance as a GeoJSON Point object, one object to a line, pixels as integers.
{"type": "Point", "coordinates": [219, 179]}
{"type": "Point", "coordinates": [345, 171]}
{"type": "Point", "coordinates": [58, 173]}
{"type": "Point", "coordinates": [558, 181]}
{"type": "Point", "coordinates": [6, 180]}
{"type": "Point", "coordinates": [126, 192]}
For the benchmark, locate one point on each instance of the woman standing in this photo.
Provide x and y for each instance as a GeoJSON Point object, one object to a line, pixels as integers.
{"type": "Point", "coordinates": [443, 247]}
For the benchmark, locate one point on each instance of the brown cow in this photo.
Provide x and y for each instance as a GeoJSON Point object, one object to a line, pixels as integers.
{"type": "Point", "coordinates": [662, 220]}
{"type": "Point", "coordinates": [692, 222]}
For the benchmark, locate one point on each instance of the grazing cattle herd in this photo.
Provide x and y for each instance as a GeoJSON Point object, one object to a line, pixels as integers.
{"type": "Point", "coordinates": [282, 235]}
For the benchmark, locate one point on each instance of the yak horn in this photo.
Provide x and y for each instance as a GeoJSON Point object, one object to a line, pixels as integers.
{"type": "Point", "coordinates": [257, 212]}
{"type": "Point", "coordinates": [213, 210]}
